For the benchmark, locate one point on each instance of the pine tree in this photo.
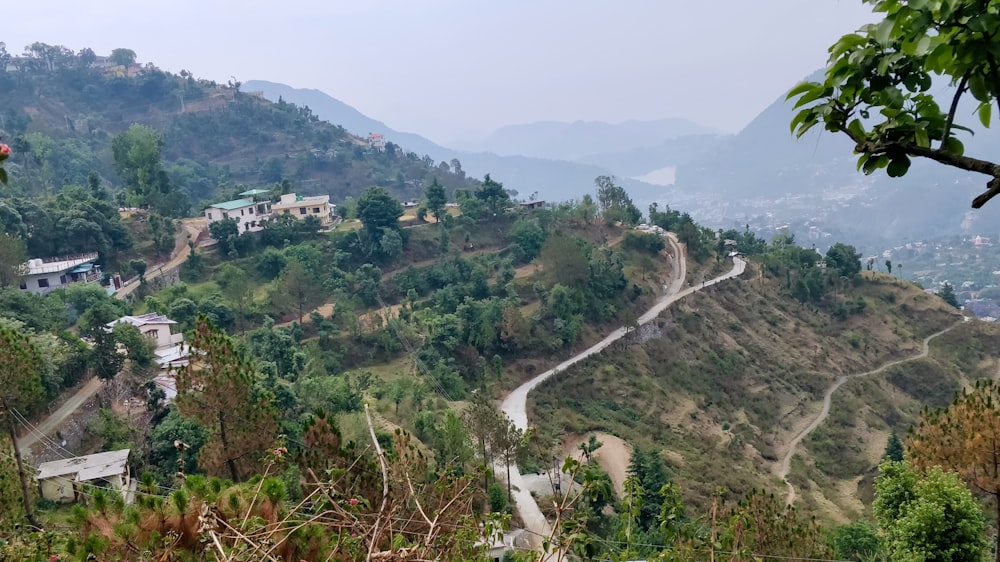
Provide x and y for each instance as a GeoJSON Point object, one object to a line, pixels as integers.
{"type": "Point", "coordinates": [960, 438]}
{"type": "Point", "coordinates": [894, 448]}
{"type": "Point", "coordinates": [20, 389]}
{"type": "Point", "coordinates": [217, 390]}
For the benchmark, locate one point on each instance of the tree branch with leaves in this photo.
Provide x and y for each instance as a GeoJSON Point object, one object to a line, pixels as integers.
{"type": "Point", "coordinates": [876, 89]}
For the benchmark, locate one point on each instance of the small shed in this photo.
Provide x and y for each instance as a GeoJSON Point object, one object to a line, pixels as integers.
{"type": "Point", "coordinates": [59, 481]}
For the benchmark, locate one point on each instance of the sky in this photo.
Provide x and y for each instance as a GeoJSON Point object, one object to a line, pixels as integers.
{"type": "Point", "coordinates": [457, 69]}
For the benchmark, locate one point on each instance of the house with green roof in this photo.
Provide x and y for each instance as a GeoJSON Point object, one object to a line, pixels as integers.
{"type": "Point", "coordinates": [250, 215]}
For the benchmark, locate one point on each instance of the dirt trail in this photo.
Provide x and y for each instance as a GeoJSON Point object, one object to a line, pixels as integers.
{"type": "Point", "coordinates": [613, 456]}
{"type": "Point", "coordinates": [786, 463]}
{"type": "Point", "coordinates": [190, 228]}
{"type": "Point", "coordinates": [515, 405]}
{"type": "Point", "coordinates": [51, 424]}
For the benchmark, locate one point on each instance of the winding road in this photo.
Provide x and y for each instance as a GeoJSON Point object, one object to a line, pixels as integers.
{"type": "Point", "coordinates": [786, 462]}
{"type": "Point", "coordinates": [515, 405]}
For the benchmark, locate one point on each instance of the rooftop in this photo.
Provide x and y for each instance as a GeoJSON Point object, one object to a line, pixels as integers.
{"type": "Point", "coordinates": [233, 205]}
{"type": "Point", "coordinates": [291, 199]}
{"type": "Point", "coordinates": [254, 192]}
{"type": "Point", "coordinates": [38, 266]}
{"type": "Point", "coordinates": [139, 321]}
{"type": "Point", "coordinates": [89, 467]}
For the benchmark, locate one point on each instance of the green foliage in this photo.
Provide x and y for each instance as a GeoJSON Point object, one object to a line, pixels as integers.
{"type": "Point", "coordinates": [893, 449]}
{"type": "Point", "coordinates": [643, 242]}
{"type": "Point", "coordinates": [877, 87]}
{"type": "Point", "coordinates": [858, 541]}
{"type": "Point", "coordinates": [378, 210]}
{"type": "Point", "coordinates": [927, 517]}
{"type": "Point", "coordinates": [494, 198]}
{"type": "Point", "coordinates": [528, 238]}
{"type": "Point", "coordinates": [175, 443]}
{"type": "Point", "coordinates": [13, 254]}
{"type": "Point", "coordinates": [217, 390]}
{"type": "Point", "coordinates": [844, 259]}
{"type": "Point", "coordinates": [615, 204]}
{"type": "Point", "coordinates": [436, 199]}
{"type": "Point", "coordinates": [112, 429]}
{"type": "Point", "coordinates": [647, 468]}
{"type": "Point", "coordinates": [138, 161]}
{"type": "Point", "coordinates": [947, 293]}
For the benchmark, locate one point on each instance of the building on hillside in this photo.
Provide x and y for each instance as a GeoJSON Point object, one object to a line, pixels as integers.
{"type": "Point", "coordinates": [154, 326]}
{"type": "Point", "coordinates": [249, 215]}
{"type": "Point", "coordinates": [42, 275]}
{"type": "Point", "coordinates": [532, 204]}
{"type": "Point", "coordinates": [376, 141]}
{"type": "Point", "coordinates": [61, 481]}
{"type": "Point", "coordinates": [300, 207]}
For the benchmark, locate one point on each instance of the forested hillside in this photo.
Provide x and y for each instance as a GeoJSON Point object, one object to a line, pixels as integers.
{"type": "Point", "coordinates": [63, 109]}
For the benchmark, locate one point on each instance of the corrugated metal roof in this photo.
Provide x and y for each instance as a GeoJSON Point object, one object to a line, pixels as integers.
{"type": "Point", "coordinates": [234, 204]}
{"type": "Point", "coordinates": [89, 467]}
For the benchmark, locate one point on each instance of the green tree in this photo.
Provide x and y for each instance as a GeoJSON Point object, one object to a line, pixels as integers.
{"type": "Point", "coordinates": [845, 259]}
{"type": "Point", "coordinates": [615, 203]}
{"type": "Point", "coordinates": [928, 517]}
{"type": "Point", "coordinates": [295, 289]}
{"type": "Point", "coordinates": [139, 267]}
{"type": "Point", "coordinates": [436, 200]}
{"type": "Point", "coordinates": [878, 82]}
{"type": "Point", "coordinates": [139, 349]}
{"type": "Point", "coordinates": [857, 541]}
{"type": "Point", "coordinates": [123, 57]}
{"type": "Point", "coordinates": [13, 255]}
{"type": "Point", "coordinates": [104, 357]}
{"type": "Point", "coordinates": [494, 197]}
{"type": "Point", "coordinates": [947, 293]}
{"type": "Point", "coordinates": [959, 438]}
{"type": "Point", "coordinates": [237, 289]}
{"type": "Point", "coordinates": [894, 448]}
{"type": "Point", "coordinates": [20, 389]}
{"type": "Point", "coordinates": [217, 390]}
{"type": "Point", "coordinates": [528, 238]}
{"type": "Point", "coordinates": [589, 447]}
{"type": "Point", "coordinates": [378, 210]}
{"type": "Point", "coordinates": [225, 231]}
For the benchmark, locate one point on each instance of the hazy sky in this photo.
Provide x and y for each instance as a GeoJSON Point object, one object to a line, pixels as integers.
{"type": "Point", "coordinates": [450, 68]}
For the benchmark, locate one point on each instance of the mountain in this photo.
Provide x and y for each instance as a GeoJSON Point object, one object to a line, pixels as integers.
{"type": "Point", "coordinates": [643, 160]}
{"type": "Point", "coordinates": [551, 179]}
{"type": "Point", "coordinates": [574, 141]}
{"type": "Point", "coordinates": [764, 176]}
{"type": "Point", "coordinates": [213, 139]}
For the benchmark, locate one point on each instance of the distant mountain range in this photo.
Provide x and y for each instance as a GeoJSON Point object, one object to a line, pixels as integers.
{"type": "Point", "coordinates": [576, 141]}
{"type": "Point", "coordinates": [766, 177]}
{"type": "Point", "coordinates": [762, 176]}
{"type": "Point", "coordinates": [552, 179]}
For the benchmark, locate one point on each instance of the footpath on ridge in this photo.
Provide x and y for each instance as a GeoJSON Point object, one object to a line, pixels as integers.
{"type": "Point", "coordinates": [786, 463]}
{"type": "Point", "coordinates": [515, 405]}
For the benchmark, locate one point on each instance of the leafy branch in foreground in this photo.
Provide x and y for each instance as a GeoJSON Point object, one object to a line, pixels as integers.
{"type": "Point", "coordinates": [877, 83]}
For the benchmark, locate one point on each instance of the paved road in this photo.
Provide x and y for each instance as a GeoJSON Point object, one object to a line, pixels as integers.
{"type": "Point", "coordinates": [515, 405]}
{"type": "Point", "coordinates": [786, 462]}
{"type": "Point", "coordinates": [51, 424]}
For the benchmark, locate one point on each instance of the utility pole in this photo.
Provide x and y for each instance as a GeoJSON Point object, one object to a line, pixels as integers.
{"type": "Point", "coordinates": [20, 466]}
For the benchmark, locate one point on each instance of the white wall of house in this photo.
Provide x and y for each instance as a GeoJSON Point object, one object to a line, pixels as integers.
{"type": "Point", "coordinates": [316, 206]}
{"type": "Point", "coordinates": [248, 218]}
{"type": "Point", "coordinates": [160, 333]}
{"type": "Point", "coordinates": [43, 283]}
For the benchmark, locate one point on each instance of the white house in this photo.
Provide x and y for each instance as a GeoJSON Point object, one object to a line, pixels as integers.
{"type": "Point", "coordinates": [300, 207]}
{"type": "Point", "coordinates": [154, 326]}
{"type": "Point", "coordinates": [42, 275]}
{"type": "Point", "coordinates": [59, 481]}
{"type": "Point", "coordinates": [376, 141]}
{"type": "Point", "coordinates": [250, 215]}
